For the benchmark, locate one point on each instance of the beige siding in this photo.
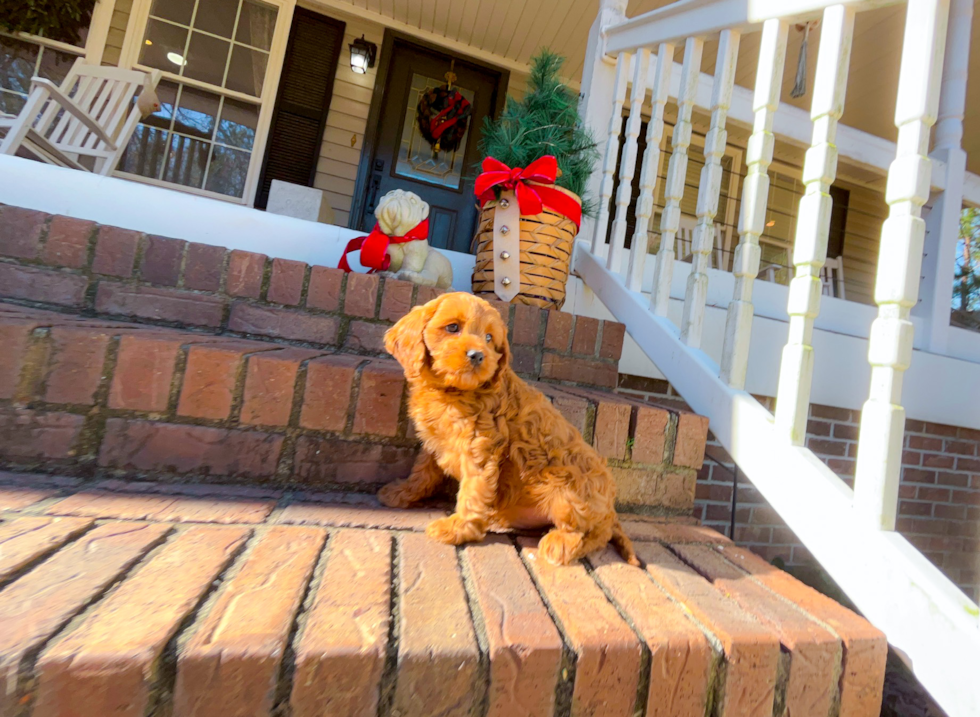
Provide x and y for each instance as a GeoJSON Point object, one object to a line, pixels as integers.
{"type": "Point", "coordinates": [866, 210]}
{"type": "Point", "coordinates": [117, 32]}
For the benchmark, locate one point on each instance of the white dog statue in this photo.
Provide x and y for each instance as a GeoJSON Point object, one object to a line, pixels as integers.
{"type": "Point", "coordinates": [398, 213]}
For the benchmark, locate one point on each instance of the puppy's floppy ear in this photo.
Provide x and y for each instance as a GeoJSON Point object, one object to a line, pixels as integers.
{"type": "Point", "coordinates": [405, 342]}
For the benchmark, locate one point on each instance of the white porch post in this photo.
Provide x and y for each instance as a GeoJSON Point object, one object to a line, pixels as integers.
{"type": "Point", "coordinates": [943, 219]}
{"type": "Point", "coordinates": [598, 91]}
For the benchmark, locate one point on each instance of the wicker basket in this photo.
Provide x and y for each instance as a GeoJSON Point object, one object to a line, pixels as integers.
{"type": "Point", "coordinates": [546, 250]}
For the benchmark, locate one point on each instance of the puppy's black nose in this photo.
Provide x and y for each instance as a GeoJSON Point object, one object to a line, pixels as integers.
{"type": "Point", "coordinates": [475, 357]}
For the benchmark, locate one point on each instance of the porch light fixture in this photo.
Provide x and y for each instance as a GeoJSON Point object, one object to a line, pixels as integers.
{"type": "Point", "coordinates": [362, 54]}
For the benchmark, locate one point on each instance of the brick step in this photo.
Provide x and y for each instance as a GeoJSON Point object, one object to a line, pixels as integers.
{"type": "Point", "coordinates": [52, 261]}
{"type": "Point", "coordinates": [89, 397]}
{"type": "Point", "coordinates": [307, 605]}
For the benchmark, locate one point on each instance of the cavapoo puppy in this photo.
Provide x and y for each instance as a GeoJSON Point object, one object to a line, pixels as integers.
{"type": "Point", "coordinates": [519, 463]}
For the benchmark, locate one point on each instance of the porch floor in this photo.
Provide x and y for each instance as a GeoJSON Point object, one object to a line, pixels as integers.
{"type": "Point", "coordinates": [132, 598]}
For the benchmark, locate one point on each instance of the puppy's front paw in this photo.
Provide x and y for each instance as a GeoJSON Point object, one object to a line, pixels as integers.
{"type": "Point", "coordinates": [453, 530]}
{"type": "Point", "coordinates": [396, 495]}
{"type": "Point", "coordinates": [560, 547]}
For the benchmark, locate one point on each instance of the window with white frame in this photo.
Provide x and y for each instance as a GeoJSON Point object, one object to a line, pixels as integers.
{"type": "Point", "coordinates": [25, 56]}
{"type": "Point", "coordinates": [215, 56]}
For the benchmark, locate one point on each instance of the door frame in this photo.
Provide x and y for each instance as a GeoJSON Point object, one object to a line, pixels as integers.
{"type": "Point", "coordinates": [378, 98]}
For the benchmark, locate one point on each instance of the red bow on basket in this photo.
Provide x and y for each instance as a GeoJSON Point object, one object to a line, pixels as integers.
{"type": "Point", "coordinates": [374, 247]}
{"type": "Point", "coordinates": [527, 183]}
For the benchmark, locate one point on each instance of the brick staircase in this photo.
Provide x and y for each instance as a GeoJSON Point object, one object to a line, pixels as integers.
{"type": "Point", "coordinates": [217, 422]}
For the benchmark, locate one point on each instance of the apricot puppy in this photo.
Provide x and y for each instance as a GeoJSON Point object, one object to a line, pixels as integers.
{"type": "Point", "coordinates": [519, 463]}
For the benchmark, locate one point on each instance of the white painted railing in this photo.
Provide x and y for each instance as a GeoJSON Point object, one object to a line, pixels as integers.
{"type": "Point", "coordinates": [850, 532]}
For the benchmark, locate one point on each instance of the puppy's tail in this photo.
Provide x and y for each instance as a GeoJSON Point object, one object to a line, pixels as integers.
{"type": "Point", "coordinates": [623, 544]}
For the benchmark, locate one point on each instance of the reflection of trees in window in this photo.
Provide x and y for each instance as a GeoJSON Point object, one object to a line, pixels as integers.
{"type": "Point", "coordinates": [21, 60]}
{"type": "Point", "coordinates": [966, 282]}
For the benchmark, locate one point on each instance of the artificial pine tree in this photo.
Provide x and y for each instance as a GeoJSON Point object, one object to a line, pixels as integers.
{"type": "Point", "coordinates": [546, 121]}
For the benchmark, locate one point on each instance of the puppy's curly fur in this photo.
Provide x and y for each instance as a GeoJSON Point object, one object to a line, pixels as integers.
{"type": "Point", "coordinates": [519, 463]}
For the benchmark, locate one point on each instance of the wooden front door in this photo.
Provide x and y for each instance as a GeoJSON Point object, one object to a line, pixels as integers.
{"type": "Point", "coordinates": [400, 158]}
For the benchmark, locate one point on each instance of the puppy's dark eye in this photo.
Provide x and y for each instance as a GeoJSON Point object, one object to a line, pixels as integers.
{"type": "Point", "coordinates": [489, 338]}
{"type": "Point", "coordinates": [453, 328]}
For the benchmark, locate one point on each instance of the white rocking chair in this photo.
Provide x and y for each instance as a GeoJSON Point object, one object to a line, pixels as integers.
{"type": "Point", "coordinates": [92, 115]}
{"type": "Point", "coordinates": [832, 278]}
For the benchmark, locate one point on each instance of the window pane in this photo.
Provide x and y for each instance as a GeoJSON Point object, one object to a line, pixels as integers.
{"type": "Point", "coordinates": [163, 46]}
{"type": "Point", "coordinates": [145, 152]}
{"type": "Point", "coordinates": [216, 16]}
{"type": "Point", "coordinates": [176, 10]}
{"type": "Point", "coordinates": [10, 103]}
{"type": "Point", "coordinates": [186, 161]}
{"type": "Point", "coordinates": [256, 24]}
{"type": "Point", "coordinates": [167, 93]}
{"type": "Point", "coordinates": [196, 113]}
{"type": "Point", "coordinates": [206, 59]}
{"type": "Point", "coordinates": [228, 170]}
{"type": "Point", "coordinates": [246, 73]}
{"type": "Point", "coordinates": [55, 65]}
{"type": "Point", "coordinates": [17, 62]}
{"type": "Point", "coordinates": [238, 123]}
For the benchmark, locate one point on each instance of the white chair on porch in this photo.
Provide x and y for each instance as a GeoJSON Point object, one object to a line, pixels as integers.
{"type": "Point", "coordinates": [89, 118]}
{"type": "Point", "coordinates": [684, 243]}
{"type": "Point", "coordinates": [832, 277]}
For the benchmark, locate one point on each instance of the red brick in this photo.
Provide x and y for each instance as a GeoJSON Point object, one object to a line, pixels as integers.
{"type": "Point", "coordinates": [925, 443]}
{"type": "Point", "coordinates": [204, 266]}
{"type": "Point", "coordinates": [680, 656]}
{"type": "Point", "coordinates": [209, 381]}
{"type": "Point", "coordinates": [325, 288]}
{"type": "Point", "coordinates": [692, 432]}
{"type": "Point", "coordinates": [42, 285]}
{"type": "Point", "coordinates": [269, 386]}
{"type": "Point", "coordinates": [362, 336]}
{"type": "Point", "coordinates": [940, 429]}
{"type": "Point", "coordinates": [956, 480]}
{"type": "Point", "coordinates": [916, 475]}
{"type": "Point", "coordinates": [558, 335]}
{"type": "Point", "coordinates": [814, 651]}
{"type": "Point", "coordinates": [15, 338]}
{"type": "Point", "coordinates": [527, 324]}
{"type": "Point", "coordinates": [27, 540]}
{"type": "Point", "coordinates": [962, 448]}
{"type": "Point", "coordinates": [144, 371]}
{"type": "Point", "coordinates": [585, 336]}
{"type": "Point", "coordinates": [340, 655]}
{"type": "Point", "coordinates": [828, 447]}
{"type": "Point", "coordinates": [343, 513]}
{"type": "Point", "coordinates": [67, 243]}
{"type": "Point", "coordinates": [286, 284]}
{"type": "Point", "coordinates": [35, 434]}
{"type": "Point", "coordinates": [607, 668]}
{"type": "Point", "coordinates": [161, 261]}
{"type": "Point", "coordinates": [751, 650]}
{"type": "Point", "coordinates": [328, 390]}
{"type": "Point", "coordinates": [331, 460]}
{"type": "Point", "coordinates": [650, 435]}
{"type": "Point", "coordinates": [911, 458]}
{"type": "Point", "coordinates": [245, 273]}
{"type": "Point", "coordinates": [396, 300]}
{"type": "Point", "coordinates": [968, 464]}
{"type": "Point", "coordinates": [438, 657]}
{"type": "Point", "coordinates": [503, 308]}
{"type": "Point", "coordinates": [524, 645]}
{"type": "Point", "coordinates": [15, 498]}
{"type": "Point", "coordinates": [578, 370]}
{"type": "Point", "coordinates": [611, 346]}
{"type": "Point", "coordinates": [937, 460]}
{"type": "Point", "coordinates": [75, 370]}
{"type": "Point", "coordinates": [115, 251]}
{"type": "Point", "coordinates": [575, 409]}
{"type": "Point", "coordinates": [818, 428]}
{"type": "Point", "coordinates": [283, 323]}
{"type": "Point", "coordinates": [673, 532]}
{"type": "Point", "coordinates": [524, 360]}
{"type": "Point", "coordinates": [20, 232]}
{"type": "Point", "coordinates": [934, 495]}
{"type": "Point", "coordinates": [182, 307]}
{"type": "Point", "coordinates": [865, 647]}
{"type": "Point", "coordinates": [830, 413]}
{"type": "Point", "coordinates": [169, 448]}
{"type": "Point", "coordinates": [612, 428]}
{"type": "Point", "coordinates": [379, 399]}
{"type": "Point", "coordinates": [361, 295]}
{"type": "Point", "coordinates": [83, 673]}
{"type": "Point", "coordinates": [426, 294]}
{"type": "Point", "coordinates": [230, 666]}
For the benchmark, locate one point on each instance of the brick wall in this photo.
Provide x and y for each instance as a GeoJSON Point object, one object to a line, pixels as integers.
{"type": "Point", "coordinates": [939, 496]}
{"type": "Point", "coordinates": [79, 266]}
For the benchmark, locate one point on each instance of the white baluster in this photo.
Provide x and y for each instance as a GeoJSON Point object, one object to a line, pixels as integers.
{"type": "Point", "coordinates": [676, 174]}
{"type": "Point", "coordinates": [709, 189]}
{"type": "Point", "coordinates": [899, 264]}
{"type": "Point", "coordinates": [609, 162]}
{"type": "Point", "coordinates": [813, 222]}
{"type": "Point", "coordinates": [627, 166]}
{"type": "Point", "coordinates": [755, 196]}
{"type": "Point", "coordinates": [651, 165]}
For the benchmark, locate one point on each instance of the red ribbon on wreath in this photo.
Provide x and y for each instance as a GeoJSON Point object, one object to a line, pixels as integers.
{"type": "Point", "coordinates": [374, 247]}
{"type": "Point", "coordinates": [527, 183]}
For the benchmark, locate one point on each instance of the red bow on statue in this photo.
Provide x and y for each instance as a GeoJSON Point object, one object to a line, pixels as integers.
{"type": "Point", "coordinates": [374, 247]}
{"type": "Point", "coordinates": [527, 183]}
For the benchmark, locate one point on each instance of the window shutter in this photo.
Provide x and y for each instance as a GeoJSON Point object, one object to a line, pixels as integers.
{"type": "Point", "coordinates": [305, 89]}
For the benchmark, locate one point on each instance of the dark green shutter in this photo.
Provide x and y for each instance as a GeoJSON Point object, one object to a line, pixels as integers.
{"type": "Point", "coordinates": [305, 89]}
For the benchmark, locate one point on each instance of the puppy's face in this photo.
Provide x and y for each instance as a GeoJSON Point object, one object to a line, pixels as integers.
{"type": "Point", "coordinates": [458, 339]}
